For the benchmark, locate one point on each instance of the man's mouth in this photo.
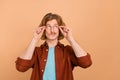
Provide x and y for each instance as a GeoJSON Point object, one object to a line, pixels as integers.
{"type": "Point", "coordinates": [53, 33]}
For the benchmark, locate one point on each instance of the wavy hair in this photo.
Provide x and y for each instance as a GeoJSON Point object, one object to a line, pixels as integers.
{"type": "Point", "coordinates": [51, 16]}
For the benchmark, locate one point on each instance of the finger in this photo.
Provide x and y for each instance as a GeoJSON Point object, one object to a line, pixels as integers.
{"type": "Point", "coordinates": [60, 27]}
{"type": "Point", "coordinates": [64, 29]}
{"type": "Point", "coordinates": [67, 29]}
{"type": "Point", "coordinates": [37, 31]}
{"type": "Point", "coordinates": [43, 30]}
{"type": "Point", "coordinates": [40, 29]}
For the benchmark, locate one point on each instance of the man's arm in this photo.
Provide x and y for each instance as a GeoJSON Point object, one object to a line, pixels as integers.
{"type": "Point", "coordinates": [79, 52]}
{"type": "Point", "coordinates": [28, 53]}
{"type": "Point", "coordinates": [26, 60]}
{"type": "Point", "coordinates": [79, 56]}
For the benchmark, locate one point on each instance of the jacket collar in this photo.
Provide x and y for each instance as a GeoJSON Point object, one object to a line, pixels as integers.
{"type": "Point", "coordinates": [58, 44]}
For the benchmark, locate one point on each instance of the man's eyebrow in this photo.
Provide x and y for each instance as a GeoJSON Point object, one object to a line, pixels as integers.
{"type": "Point", "coordinates": [47, 24]}
{"type": "Point", "coordinates": [55, 24]}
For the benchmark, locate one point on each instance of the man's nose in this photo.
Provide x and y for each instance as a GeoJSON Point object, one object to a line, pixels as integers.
{"type": "Point", "coordinates": [52, 29]}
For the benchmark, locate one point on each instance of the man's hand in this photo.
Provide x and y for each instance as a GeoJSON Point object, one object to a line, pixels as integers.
{"type": "Point", "coordinates": [38, 33]}
{"type": "Point", "coordinates": [66, 31]}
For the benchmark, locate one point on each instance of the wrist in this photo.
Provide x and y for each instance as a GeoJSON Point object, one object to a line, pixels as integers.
{"type": "Point", "coordinates": [34, 40]}
{"type": "Point", "coordinates": [70, 39]}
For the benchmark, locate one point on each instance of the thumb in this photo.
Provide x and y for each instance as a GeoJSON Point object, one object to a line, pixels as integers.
{"type": "Point", "coordinates": [60, 27]}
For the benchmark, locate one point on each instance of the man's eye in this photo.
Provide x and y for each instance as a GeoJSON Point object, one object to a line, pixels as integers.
{"type": "Point", "coordinates": [56, 26]}
{"type": "Point", "coordinates": [47, 26]}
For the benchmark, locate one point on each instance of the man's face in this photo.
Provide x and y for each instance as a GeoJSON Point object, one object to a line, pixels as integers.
{"type": "Point", "coordinates": [52, 30]}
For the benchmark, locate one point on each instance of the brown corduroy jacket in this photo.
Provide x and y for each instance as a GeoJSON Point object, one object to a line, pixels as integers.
{"type": "Point", "coordinates": [65, 61]}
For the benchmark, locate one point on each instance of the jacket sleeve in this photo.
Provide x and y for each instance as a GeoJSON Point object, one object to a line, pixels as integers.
{"type": "Point", "coordinates": [23, 65]}
{"type": "Point", "coordinates": [84, 61]}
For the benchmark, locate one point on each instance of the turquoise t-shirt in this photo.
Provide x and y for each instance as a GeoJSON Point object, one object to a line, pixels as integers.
{"type": "Point", "coordinates": [49, 73]}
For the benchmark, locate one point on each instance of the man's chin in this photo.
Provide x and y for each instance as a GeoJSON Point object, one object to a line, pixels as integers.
{"type": "Point", "coordinates": [52, 38]}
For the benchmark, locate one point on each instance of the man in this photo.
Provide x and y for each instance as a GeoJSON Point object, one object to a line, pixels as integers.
{"type": "Point", "coordinates": [52, 60]}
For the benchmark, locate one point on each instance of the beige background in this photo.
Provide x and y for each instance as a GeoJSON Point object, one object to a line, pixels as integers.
{"type": "Point", "coordinates": [95, 25]}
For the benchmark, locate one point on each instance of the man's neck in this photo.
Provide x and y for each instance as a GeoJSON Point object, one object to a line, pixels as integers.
{"type": "Point", "coordinates": [52, 43]}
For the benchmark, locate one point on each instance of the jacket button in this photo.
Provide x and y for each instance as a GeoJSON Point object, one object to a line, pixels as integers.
{"type": "Point", "coordinates": [45, 60]}
{"type": "Point", "coordinates": [46, 49]}
{"type": "Point", "coordinates": [42, 70]}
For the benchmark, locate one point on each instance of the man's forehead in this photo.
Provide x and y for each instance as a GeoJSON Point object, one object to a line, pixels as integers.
{"type": "Point", "coordinates": [52, 22]}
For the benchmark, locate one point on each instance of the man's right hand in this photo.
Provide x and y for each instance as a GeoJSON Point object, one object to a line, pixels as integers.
{"type": "Point", "coordinates": [38, 32]}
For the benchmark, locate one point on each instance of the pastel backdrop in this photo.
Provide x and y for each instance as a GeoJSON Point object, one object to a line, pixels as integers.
{"type": "Point", "coordinates": [95, 25]}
